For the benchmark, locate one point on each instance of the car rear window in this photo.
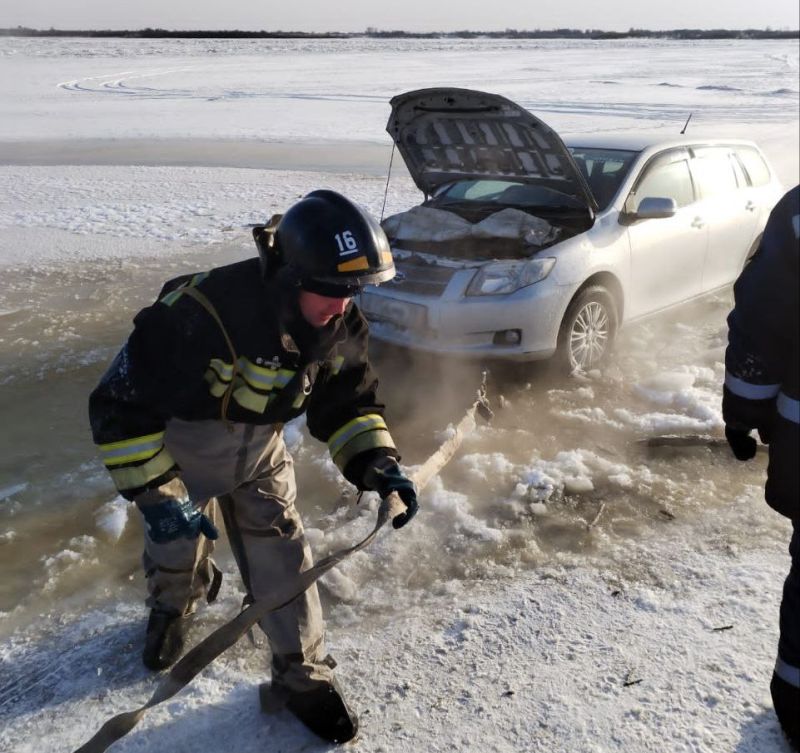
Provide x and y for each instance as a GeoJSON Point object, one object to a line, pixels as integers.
{"type": "Point", "coordinates": [713, 168]}
{"type": "Point", "coordinates": [754, 165]}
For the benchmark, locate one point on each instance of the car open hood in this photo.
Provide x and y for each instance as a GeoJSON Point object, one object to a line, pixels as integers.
{"type": "Point", "coordinates": [447, 134]}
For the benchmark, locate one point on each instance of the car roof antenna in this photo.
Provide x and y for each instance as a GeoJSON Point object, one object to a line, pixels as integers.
{"type": "Point", "coordinates": [686, 123]}
{"type": "Point", "coordinates": [388, 175]}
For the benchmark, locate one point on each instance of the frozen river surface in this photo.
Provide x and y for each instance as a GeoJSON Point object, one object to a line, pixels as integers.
{"type": "Point", "coordinates": [125, 163]}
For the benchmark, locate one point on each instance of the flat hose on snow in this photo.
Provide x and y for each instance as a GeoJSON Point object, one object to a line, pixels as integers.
{"type": "Point", "coordinates": [199, 657]}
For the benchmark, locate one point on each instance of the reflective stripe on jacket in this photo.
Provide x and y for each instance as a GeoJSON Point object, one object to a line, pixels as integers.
{"type": "Point", "coordinates": [177, 363]}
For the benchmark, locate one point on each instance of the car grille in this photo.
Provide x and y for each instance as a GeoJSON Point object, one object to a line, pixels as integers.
{"type": "Point", "coordinates": [422, 279]}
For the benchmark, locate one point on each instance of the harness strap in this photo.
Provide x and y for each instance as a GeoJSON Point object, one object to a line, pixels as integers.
{"type": "Point", "coordinates": [209, 307]}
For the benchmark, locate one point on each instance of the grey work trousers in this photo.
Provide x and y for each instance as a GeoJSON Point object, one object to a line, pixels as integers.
{"type": "Point", "coordinates": [249, 472]}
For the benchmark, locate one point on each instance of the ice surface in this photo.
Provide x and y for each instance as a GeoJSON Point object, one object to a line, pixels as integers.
{"type": "Point", "coordinates": [508, 612]}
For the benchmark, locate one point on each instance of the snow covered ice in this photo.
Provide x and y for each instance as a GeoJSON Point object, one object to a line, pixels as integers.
{"type": "Point", "coordinates": [563, 587]}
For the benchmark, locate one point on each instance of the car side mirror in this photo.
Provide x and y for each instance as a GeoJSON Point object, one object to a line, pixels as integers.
{"type": "Point", "coordinates": [654, 208]}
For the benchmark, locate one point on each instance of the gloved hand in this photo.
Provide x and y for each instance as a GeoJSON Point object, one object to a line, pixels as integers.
{"type": "Point", "coordinates": [386, 477]}
{"type": "Point", "coordinates": [742, 444]}
{"type": "Point", "coordinates": [169, 514]}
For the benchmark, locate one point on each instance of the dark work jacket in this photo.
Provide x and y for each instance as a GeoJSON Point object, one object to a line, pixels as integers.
{"type": "Point", "coordinates": [762, 359]}
{"type": "Point", "coordinates": [177, 363]}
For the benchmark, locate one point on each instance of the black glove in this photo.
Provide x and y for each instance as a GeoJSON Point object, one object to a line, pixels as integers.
{"type": "Point", "coordinates": [742, 444]}
{"type": "Point", "coordinates": [386, 477]}
{"type": "Point", "coordinates": [169, 514]}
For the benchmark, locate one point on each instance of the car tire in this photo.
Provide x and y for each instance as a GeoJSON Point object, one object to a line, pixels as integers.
{"type": "Point", "coordinates": [588, 331]}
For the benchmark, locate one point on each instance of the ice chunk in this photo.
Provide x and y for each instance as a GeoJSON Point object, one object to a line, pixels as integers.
{"type": "Point", "coordinates": [112, 518]}
{"type": "Point", "coordinates": [578, 484]}
{"type": "Point", "coordinates": [340, 585]}
{"type": "Point", "coordinates": [426, 224]}
{"type": "Point", "coordinates": [429, 224]}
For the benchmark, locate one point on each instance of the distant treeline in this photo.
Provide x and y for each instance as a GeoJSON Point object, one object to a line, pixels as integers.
{"type": "Point", "coordinates": [22, 31]}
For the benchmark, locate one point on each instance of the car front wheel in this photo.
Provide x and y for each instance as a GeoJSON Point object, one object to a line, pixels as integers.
{"type": "Point", "coordinates": [588, 331]}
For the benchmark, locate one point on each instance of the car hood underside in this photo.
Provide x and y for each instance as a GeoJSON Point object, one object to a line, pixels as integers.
{"type": "Point", "coordinates": [447, 134]}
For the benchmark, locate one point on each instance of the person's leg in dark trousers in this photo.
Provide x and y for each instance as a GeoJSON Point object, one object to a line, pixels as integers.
{"type": "Point", "coordinates": [785, 684]}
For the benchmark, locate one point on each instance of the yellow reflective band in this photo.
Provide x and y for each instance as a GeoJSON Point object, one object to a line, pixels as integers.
{"type": "Point", "coordinates": [353, 428]}
{"type": "Point", "coordinates": [386, 258]}
{"type": "Point", "coordinates": [170, 298]}
{"type": "Point", "coordinates": [250, 399]}
{"type": "Point", "coordinates": [354, 265]}
{"type": "Point", "coordinates": [251, 382]}
{"type": "Point", "coordinates": [141, 475]}
{"type": "Point", "coordinates": [216, 387]}
{"type": "Point", "coordinates": [337, 365]}
{"type": "Point", "coordinates": [368, 441]}
{"type": "Point", "coordinates": [263, 378]}
{"type": "Point", "coordinates": [259, 377]}
{"type": "Point", "coordinates": [131, 450]}
{"type": "Point", "coordinates": [224, 370]}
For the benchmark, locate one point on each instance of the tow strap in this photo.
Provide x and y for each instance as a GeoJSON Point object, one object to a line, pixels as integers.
{"type": "Point", "coordinates": [199, 657]}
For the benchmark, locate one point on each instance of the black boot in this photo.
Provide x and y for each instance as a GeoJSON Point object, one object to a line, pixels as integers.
{"type": "Point", "coordinates": [786, 700]}
{"type": "Point", "coordinates": [165, 638]}
{"type": "Point", "coordinates": [322, 709]}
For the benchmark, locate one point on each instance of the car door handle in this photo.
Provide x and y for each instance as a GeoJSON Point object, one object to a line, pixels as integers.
{"type": "Point", "coordinates": [698, 222]}
{"type": "Point", "coordinates": [750, 207]}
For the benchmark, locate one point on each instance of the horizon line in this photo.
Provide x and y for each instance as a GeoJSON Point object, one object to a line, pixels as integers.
{"type": "Point", "coordinates": [371, 30]}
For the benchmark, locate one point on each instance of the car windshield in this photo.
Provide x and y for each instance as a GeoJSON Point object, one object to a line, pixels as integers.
{"type": "Point", "coordinates": [506, 192]}
{"type": "Point", "coordinates": [604, 170]}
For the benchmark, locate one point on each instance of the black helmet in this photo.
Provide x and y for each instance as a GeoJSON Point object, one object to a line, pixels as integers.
{"type": "Point", "coordinates": [331, 246]}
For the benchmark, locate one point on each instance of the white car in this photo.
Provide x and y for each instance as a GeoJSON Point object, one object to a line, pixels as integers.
{"type": "Point", "coordinates": [526, 248]}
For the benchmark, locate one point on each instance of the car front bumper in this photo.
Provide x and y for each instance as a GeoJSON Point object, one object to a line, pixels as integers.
{"type": "Point", "coordinates": [471, 327]}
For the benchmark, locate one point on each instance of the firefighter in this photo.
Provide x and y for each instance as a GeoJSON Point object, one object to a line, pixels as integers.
{"type": "Point", "coordinates": [761, 393]}
{"type": "Point", "coordinates": [191, 412]}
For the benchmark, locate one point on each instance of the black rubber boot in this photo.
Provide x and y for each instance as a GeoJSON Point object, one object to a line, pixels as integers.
{"type": "Point", "coordinates": [165, 638]}
{"type": "Point", "coordinates": [322, 709]}
{"type": "Point", "coordinates": [786, 700]}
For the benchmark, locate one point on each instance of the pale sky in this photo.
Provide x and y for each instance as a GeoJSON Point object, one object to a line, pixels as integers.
{"type": "Point", "coordinates": [410, 15]}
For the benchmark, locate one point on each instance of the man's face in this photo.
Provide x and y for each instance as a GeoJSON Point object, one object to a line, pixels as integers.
{"type": "Point", "coordinates": [318, 310]}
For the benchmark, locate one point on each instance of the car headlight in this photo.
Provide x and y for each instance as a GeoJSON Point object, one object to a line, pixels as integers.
{"type": "Point", "coordinates": [504, 277]}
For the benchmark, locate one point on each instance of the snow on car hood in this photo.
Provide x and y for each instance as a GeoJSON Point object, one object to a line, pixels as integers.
{"type": "Point", "coordinates": [437, 225]}
{"type": "Point", "coordinates": [447, 134]}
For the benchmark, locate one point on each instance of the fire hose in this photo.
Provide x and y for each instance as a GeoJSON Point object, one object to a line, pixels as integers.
{"type": "Point", "coordinates": [199, 657]}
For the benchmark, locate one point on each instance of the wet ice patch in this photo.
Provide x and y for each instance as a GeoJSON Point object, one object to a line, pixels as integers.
{"type": "Point", "coordinates": [486, 466]}
{"type": "Point", "coordinates": [693, 394]}
{"type": "Point", "coordinates": [453, 510]}
{"type": "Point", "coordinates": [9, 492]}
{"type": "Point", "coordinates": [574, 472]}
{"type": "Point", "coordinates": [80, 551]}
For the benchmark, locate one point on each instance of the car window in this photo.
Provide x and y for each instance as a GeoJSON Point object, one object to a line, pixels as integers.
{"type": "Point", "coordinates": [512, 193]}
{"type": "Point", "coordinates": [666, 178]}
{"type": "Point", "coordinates": [604, 170]}
{"type": "Point", "coordinates": [754, 165]}
{"type": "Point", "coordinates": [478, 190]}
{"type": "Point", "coordinates": [713, 169]}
